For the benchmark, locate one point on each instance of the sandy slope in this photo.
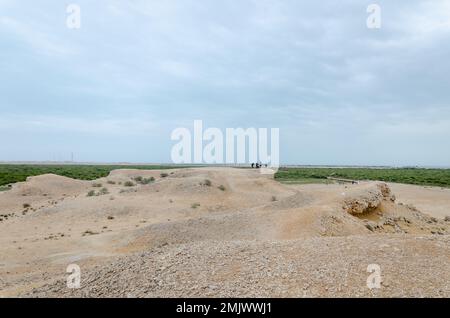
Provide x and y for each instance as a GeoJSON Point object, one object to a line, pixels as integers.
{"type": "Point", "coordinates": [179, 236]}
{"type": "Point", "coordinates": [430, 200]}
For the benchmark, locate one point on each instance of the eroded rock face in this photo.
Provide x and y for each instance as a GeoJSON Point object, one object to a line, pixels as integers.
{"type": "Point", "coordinates": [368, 200]}
{"type": "Point", "coordinates": [375, 207]}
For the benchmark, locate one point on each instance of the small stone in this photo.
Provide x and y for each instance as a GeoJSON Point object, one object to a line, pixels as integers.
{"type": "Point", "coordinates": [371, 226]}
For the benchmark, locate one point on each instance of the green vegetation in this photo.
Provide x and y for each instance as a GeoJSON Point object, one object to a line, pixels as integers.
{"type": "Point", "coordinates": [4, 188]}
{"type": "Point", "coordinates": [17, 173]}
{"type": "Point", "coordinates": [102, 191]}
{"type": "Point", "coordinates": [418, 176]}
{"type": "Point", "coordinates": [195, 205]}
{"type": "Point", "coordinates": [147, 180]}
{"type": "Point", "coordinates": [142, 180]}
{"type": "Point", "coordinates": [221, 187]}
{"type": "Point", "coordinates": [129, 184]}
{"type": "Point", "coordinates": [138, 179]}
{"type": "Point", "coordinates": [207, 183]}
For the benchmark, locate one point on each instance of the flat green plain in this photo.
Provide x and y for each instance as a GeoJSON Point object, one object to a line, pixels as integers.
{"type": "Point", "coordinates": [11, 173]}
{"type": "Point", "coordinates": [417, 176]}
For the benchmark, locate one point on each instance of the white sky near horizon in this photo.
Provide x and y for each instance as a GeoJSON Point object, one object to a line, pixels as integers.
{"type": "Point", "coordinates": [113, 91]}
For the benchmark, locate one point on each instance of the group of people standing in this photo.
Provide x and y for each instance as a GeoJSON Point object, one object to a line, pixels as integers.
{"type": "Point", "coordinates": [258, 165]}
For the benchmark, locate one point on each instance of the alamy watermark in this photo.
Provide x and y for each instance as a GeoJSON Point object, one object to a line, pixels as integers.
{"type": "Point", "coordinates": [240, 146]}
{"type": "Point", "coordinates": [73, 20]}
{"type": "Point", "coordinates": [74, 278]}
{"type": "Point", "coordinates": [374, 280]}
{"type": "Point", "coordinates": [374, 19]}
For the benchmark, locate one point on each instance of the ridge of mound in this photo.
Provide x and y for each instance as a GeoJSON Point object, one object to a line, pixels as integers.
{"type": "Point", "coordinates": [48, 184]}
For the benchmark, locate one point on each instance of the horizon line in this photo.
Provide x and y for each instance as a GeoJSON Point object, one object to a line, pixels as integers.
{"type": "Point", "coordinates": [124, 163]}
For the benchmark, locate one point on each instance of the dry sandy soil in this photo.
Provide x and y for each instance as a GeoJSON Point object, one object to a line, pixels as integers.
{"type": "Point", "coordinates": [238, 234]}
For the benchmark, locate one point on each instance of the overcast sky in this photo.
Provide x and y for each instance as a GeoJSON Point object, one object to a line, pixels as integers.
{"type": "Point", "coordinates": [114, 89]}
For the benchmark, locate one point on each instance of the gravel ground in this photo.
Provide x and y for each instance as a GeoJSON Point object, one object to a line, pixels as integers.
{"type": "Point", "coordinates": [411, 266]}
